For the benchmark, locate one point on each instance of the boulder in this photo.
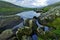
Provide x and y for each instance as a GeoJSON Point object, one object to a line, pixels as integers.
{"type": "Point", "coordinates": [6, 34]}
{"type": "Point", "coordinates": [23, 32]}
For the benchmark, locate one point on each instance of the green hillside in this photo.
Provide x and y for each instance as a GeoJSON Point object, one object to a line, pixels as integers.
{"type": "Point", "coordinates": [47, 8]}
{"type": "Point", "coordinates": [7, 8]}
{"type": "Point", "coordinates": [51, 17]}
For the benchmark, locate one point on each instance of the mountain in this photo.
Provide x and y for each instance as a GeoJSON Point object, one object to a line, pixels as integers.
{"type": "Point", "coordinates": [51, 17]}
{"type": "Point", "coordinates": [7, 8]}
{"type": "Point", "coordinates": [47, 8]}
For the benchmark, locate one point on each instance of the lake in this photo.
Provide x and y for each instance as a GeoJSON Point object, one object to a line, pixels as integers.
{"type": "Point", "coordinates": [25, 15]}
{"type": "Point", "coordinates": [28, 14]}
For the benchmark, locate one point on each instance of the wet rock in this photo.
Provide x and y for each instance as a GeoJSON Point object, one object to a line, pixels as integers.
{"type": "Point", "coordinates": [9, 22]}
{"type": "Point", "coordinates": [26, 22]}
{"type": "Point", "coordinates": [6, 34]}
{"type": "Point", "coordinates": [30, 23]}
{"type": "Point", "coordinates": [24, 32]}
{"type": "Point", "coordinates": [13, 38]}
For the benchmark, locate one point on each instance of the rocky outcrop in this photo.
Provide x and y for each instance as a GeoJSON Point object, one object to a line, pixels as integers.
{"type": "Point", "coordinates": [6, 34]}
{"type": "Point", "coordinates": [50, 15]}
{"type": "Point", "coordinates": [9, 22]}
{"type": "Point", "coordinates": [23, 33]}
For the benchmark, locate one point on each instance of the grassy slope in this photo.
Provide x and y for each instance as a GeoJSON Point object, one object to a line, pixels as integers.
{"type": "Point", "coordinates": [56, 22]}
{"type": "Point", "coordinates": [45, 9]}
{"type": "Point", "coordinates": [9, 9]}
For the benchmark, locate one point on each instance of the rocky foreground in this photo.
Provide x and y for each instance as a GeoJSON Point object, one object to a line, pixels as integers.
{"type": "Point", "coordinates": [50, 19]}
{"type": "Point", "coordinates": [9, 22]}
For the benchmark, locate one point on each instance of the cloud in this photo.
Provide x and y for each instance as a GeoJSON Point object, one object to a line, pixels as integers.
{"type": "Point", "coordinates": [40, 3]}
{"type": "Point", "coordinates": [32, 3]}
{"type": "Point", "coordinates": [29, 3]}
{"type": "Point", "coordinates": [52, 1]}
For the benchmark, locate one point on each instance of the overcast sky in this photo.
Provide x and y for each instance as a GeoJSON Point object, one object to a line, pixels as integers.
{"type": "Point", "coordinates": [32, 3]}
